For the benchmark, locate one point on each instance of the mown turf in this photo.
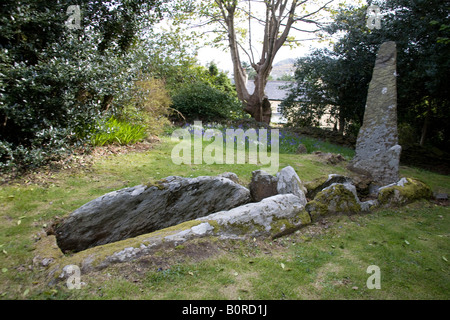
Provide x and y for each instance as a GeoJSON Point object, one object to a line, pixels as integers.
{"type": "Point", "coordinates": [326, 260]}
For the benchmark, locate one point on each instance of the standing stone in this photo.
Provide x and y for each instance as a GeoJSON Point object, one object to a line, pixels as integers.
{"type": "Point", "coordinates": [377, 149]}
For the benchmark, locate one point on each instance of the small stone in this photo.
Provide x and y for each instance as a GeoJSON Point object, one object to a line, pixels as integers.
{"type": "Point", "coordinates": [289, 182]}
{"type": "Point", "coordinates": [263, 185]}
{"type": "Point", "coordinates": [202, 229]}
{"type": "Point", "coordinates": [441, 196]}
{"type": "Point", "coordinates": [230, 175]}
{"type": "Point", "coordinates": [301, 149]}
{"type": "Point", "coordinates": [46, 261]}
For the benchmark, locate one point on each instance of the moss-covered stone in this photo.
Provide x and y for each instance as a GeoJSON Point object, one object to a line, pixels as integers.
{"type": "Point", "coordinates": [317, 185]}
{"type": "Point", "coordinates": [284, 226]}
{"type": "Point", "coordinates": [101, 256]}
{"type": "Point", "coordinates": [407, 190]}
{"type": "Point", "coordinates": [159, 184]}
{"type": "Point", "coordinates": [46, 251]}
{"type": "Point", "coordinates": [314, 185]}
{"type": "Point", "coordinates": [240, 228]}
{"type": "Point", "coordinates": [316, 209]}
{"type": "Point", "coordinates": [338, 198]}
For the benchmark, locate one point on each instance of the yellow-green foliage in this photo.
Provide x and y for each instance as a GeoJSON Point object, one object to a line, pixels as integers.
{"type": "Point", "coordinates": [149, 105]}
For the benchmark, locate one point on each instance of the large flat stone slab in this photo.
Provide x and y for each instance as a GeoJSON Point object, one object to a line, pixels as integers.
{"type": "Point", "coordinates": [142, 209]}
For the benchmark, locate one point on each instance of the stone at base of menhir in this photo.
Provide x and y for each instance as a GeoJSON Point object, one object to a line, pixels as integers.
{"type": "Point", "coordinates": [383, 168]}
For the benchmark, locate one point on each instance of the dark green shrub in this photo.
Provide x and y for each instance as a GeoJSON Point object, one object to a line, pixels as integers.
{"type": "Point", "coordinates": [55, 82]}
{"type": "Point", "coordinates": [201, 101]}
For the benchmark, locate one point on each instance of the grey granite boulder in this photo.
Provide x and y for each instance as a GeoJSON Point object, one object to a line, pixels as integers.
{"type": "Point", "coordinates": [274, 216]}
{"type": "Point", "coordinates": [264, 185]}
{"type": "Point", "coordinates": [142, 209]}
{"type": "Point", "coordinates": [317, 185]}
{"type": "Point", "coordinates": [289, 182]}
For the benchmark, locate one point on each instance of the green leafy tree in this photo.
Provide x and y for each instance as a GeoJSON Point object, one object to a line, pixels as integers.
{"type": "Point", "coordinates": [209, 95]}
{"type": "Point", "coordinates": [335, 82]}
{"type": "Point", "coordinates": [201, 101]}
{"type": "Point", "coordinates": [327, 85]}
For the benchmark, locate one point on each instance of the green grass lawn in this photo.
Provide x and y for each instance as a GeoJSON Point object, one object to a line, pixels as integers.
{"type": "Point", "coordinates": [325, 260]}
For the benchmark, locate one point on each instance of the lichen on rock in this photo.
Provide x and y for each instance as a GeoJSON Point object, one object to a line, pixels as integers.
{"type": "Point", "coordinates": [405, 191]}
{"type": "Point", "coordinates": [377, 150]}
{"type": "Point", "coordinates": [284, 226]}
{"type": "Point", "coordinates": [289, 182]}
{"type": "Point", "coordinates": [337, 198]}
{"type": "Point", "coordinates": [261, 218]}
{"type": "Point", "coordinates": [315, 186]}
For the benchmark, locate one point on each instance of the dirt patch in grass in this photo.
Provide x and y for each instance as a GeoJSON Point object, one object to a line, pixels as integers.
{"type": "Point", "coordinates": [169, 255]}
{"type": "Point", "coordinates": [322, 274]}
{"type": "Point", "coordinates": [242, 286]}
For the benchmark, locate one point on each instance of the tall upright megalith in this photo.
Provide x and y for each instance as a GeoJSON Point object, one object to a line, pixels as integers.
{"type": "Point", "coordinates": [377, 149]}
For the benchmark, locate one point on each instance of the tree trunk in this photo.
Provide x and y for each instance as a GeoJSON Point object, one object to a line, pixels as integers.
{"type": "Point", "coordinates": [341, 122]}
{"type": "Point", "coordinates": [258, 104]}
{"type": "Point", "coordinates": [425, 126]}
{"type": "Point", "coordinates": [279, 14]}
{"type": "Point", "coordinates": [260, 110]}
{"type": "Point", "coordinates": [107, 102]}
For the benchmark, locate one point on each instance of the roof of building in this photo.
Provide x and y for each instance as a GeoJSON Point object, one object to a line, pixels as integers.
{"type": "Point", "coordinates": [274, 90]}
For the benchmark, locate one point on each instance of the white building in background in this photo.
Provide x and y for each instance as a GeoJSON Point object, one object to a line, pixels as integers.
{"type": "Point", "coordinates": [276, 94]}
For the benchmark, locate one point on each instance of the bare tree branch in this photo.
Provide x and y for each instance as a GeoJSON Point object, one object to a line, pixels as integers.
{"type": "Point", "coordinates": [314, 12]}
{"type": "Point", "coordinates": [252, 58]}
{"type": "Point", "coordinates": [279, 20]}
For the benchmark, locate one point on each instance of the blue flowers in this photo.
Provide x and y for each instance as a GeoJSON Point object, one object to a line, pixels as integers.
{"type": "Point", "coordinates": [288, 141]}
